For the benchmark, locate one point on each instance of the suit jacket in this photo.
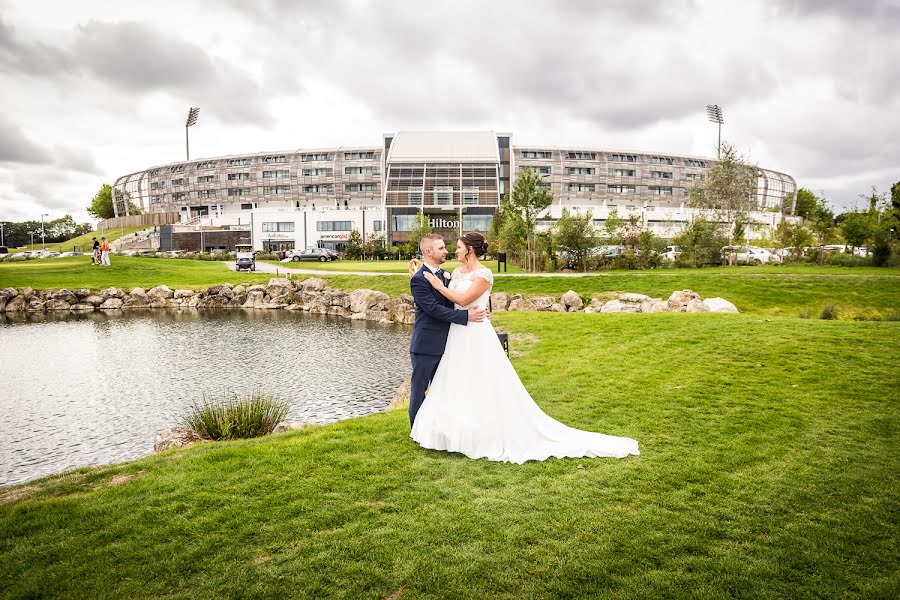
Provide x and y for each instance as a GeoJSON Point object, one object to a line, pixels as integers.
{"type": "Point", "coordinates": [434, 313]}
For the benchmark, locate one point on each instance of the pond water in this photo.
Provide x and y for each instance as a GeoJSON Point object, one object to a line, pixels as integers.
{"type": "Point", "coordinates": [96, 389]}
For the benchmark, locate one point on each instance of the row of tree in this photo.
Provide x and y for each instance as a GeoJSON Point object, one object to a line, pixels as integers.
{"type": "Point", "coordinates": [23, 233]}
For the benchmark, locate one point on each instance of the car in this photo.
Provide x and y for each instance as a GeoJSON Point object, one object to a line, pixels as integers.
{"type": "Point", "coordinates": [319, 254]}
{"type": "Point", "coordinates": [671, 253]}
{"type": "Point", "coordinates": [64, 254]}
{"type": "Point", "coordinates": [748, 255]}
{"type": "Point", "coordinates": [48, 254]}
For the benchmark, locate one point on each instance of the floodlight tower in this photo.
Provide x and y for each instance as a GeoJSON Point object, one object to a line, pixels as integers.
{"type": "Point", "coordinates": [191, 120]}
{"type": "Point", "coordinates": [714, 114]}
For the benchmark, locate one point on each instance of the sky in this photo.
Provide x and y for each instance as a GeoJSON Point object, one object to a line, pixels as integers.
{"type": "Point", "coordinates": [94, 90]}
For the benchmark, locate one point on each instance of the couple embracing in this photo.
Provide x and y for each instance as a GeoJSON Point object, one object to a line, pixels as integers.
{"type": "Point", "coordinates": [476, 405]}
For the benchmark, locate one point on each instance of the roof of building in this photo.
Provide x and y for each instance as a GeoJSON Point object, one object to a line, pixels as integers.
{"type": "Point", "coordinates": [444, 146]}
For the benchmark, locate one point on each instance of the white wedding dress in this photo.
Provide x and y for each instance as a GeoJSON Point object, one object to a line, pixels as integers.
{"type": "Point", "coordinates": [477, 405]}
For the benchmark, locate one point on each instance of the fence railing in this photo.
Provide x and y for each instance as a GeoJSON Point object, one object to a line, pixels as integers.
{"type": "Point", "coordinates": [158, 218]}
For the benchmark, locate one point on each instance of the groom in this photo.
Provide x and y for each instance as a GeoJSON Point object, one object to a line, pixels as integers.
{"type": "Point", "coordinates": [434, 313]}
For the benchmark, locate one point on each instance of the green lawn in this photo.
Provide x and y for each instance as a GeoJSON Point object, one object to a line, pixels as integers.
{"type": "Point", "coordinates": [374, 266]}
{"type": "Point", "coordinates": [769, 467]}
{"type": "Point", "coordinates": [83, 243]}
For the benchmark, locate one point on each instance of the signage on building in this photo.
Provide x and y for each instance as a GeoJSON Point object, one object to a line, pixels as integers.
{"type": "Point", "coordinates": [442, 223]}
{"type": "Point", "coordinates": [335, 236]}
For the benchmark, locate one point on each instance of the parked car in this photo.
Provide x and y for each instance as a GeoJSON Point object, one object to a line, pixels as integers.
{"type": "Point", "coordinates": [671, 253]}
{"type": "Point", "coordinates": [48, 254]}
{"type": "Point", "coordinates": [64, 254]}
{"type": "Point", "coordinates": [748, 255]}
{"type": "Point", "coordinates": [319, 254]}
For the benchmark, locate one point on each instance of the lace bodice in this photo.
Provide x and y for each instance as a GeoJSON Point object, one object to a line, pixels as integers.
{"type": "Point", "coordinates": [461, 282]}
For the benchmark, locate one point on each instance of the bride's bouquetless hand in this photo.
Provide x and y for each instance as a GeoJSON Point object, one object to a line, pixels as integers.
{"type": "Point", "coordinates": [434, 281]}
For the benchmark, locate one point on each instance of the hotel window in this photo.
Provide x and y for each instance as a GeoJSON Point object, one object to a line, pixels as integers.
{"type": "Point", "coordinates": [156, 199]}
{"type": "Point", "coordinates": [470, 196]}
{"type": "Point", "coordinates": [581, 187]}
{"type": "Point", "coordinates": [544, 185]}
{"type": "Point", "coordinates": [206, 178]}
{"type": "Point", "coordinates": [177, 169]}
{"type": "Point", "coordinates": [620, 189]}
{"type": "Point", "coordinates": [321, 172]}
{"type": "Point", "coordinates": [402, 222]}
{"type": "Point", "coordinates": [178, 196]}
{"type": "Point", "coordinates": [622, 158]}
{"type": "Point", "coordinates": [477, 222]}
{"type": "Point", "coordinates": [660, 160]}
{"type": "Point", "coordinates": [315, 189]}
{"type": "Point", "coordinates": [580, 170]}
{"type": "Point", "coordinates": [695, 163]}
{"type": "Point", "coordinates": [239, 192]}
{"type": "Point", "coordinates": [156, 185]}
{"type": "Point", "coordinates": [359, 155]}
{"type": "Point", "coordinates": [661, 174]}
{"type": "Point", "coordinates": [179, 181]}
{"type": "Point", "coordinates": [581, 155]}
{"type": "Point", "coordinates": [206, 165]}
{"type": "Point", "coordinates": [378, 225]}
{"type": "Point", "coordinates": [621, 172]}
{"type": "Point", "coordinates": [238, 162]}
{"type": "Point", "coordinates": [274, 159]}
{"type": "Point", "coordinates": [358, 170]}
{"type": "Point", "coordinates": [247, 206]}
{"type": "Point", "coordinates": [660, 190]}
{"type": "Point", "coordinates": [693, 176]}
{"type": "Point", "coordinates": [206, 194]}
{"type": "Point", "coordinates": [334, 225]}
{"type": "Point", "coordinates": [314, 157]}
{"type": "Point", "coordinates": [278, 226]}
{"type": "Point", "coordinates": [238, 176]}
{"type": "Point", "coordinates": [276, 189]}
{"type": "Point", "coordinates": [536, 154]}
{"type": "Point", "coordinates": [443, 195]}
{"type": "Point", "coordinates": [359, 187]}
{"type": "Point", "coordinates": [277, 173]}
{"type": "Point", "coordinates": [542, 169]}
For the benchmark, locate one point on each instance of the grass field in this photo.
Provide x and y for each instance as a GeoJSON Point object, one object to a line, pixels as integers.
{"type": "Point", "coordinates": [374, 266]}
{"type": "Point", "coordinates": [769, 467]}
{"type": "Point", "coordinates": [857, 292]}
{"type": "Point", "coordinates": [82, 243]}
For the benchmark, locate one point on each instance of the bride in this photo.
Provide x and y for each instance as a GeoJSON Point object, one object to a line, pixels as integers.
{"type": "Point", "coordinates": [476, 404]}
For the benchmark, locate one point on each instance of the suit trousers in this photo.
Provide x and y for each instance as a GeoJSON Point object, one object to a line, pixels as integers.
{"type": "Point", "coordinates": [424, 366]}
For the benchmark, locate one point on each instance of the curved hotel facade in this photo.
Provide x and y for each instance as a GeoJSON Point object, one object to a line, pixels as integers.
{"type": "Point", "coordinates": [317, 196]}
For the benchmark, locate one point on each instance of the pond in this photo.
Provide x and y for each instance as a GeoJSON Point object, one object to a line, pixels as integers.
{"type": "Point", "coordinates": [96, 389]}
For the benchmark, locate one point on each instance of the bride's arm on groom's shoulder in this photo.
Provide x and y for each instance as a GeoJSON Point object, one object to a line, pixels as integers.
{"type": "Point", "coordinates": [478, 287]}
{"type": "Point", "coordinates": [425, 300]}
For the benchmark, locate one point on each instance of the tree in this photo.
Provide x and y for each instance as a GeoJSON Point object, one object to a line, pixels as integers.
{"type": "Point", "coordinates": [375, 246]}
{"type": "Point", "coordinates": [857, 228]}
{"type": "Point", "coordinates": [807, 204]}
{"type": "Point", "coordinates": [700, 242]}
{"type": "Point", "coordinates": [613, 228]}
{"type": "Point", "coordinates": [574, 234]}
{"type": "Point", "coordinates": [101, 204]}
{"type": "Point", "coordinates": [530, 199]}
{"type": "Point", "coordinates": [727, 191]}
{"type": "Point", "coordinates": [354, 248]}
{"type": "Point", "coordinates": [421, 227]}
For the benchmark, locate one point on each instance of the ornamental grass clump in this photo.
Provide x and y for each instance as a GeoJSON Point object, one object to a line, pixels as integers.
{"type": "Point", "coordinates": [234, 417]}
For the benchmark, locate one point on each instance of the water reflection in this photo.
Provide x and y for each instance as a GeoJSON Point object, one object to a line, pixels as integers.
{"type": "Point", "coordinates": [95, 388]}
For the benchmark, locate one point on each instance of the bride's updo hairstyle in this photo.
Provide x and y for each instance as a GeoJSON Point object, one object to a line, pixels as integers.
{"type": "Point", "coordinates": [475, 243]}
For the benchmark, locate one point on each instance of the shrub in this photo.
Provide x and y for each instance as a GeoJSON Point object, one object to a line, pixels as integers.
{"type": "Point", "coordinates": [829, 312]}
{"type": "Point", "coordinates": [236, 417]}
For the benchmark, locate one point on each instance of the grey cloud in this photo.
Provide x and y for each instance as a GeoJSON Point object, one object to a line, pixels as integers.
{"type": "Point", "coordinates": [877, 12]}
{"type": "Point", "coordinates": [80, 160]}
{"type": "Point", "coordinates": [33, 59]}
{"type": "Point", "coordinates": [16, 147]}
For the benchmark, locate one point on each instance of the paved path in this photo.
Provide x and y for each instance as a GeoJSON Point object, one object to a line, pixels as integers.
{"type": "Point", "coordinates": [264, 267]}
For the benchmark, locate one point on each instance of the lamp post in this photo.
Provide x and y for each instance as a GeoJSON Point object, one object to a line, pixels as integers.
{"type": "Point", "coordinates": [1, 235]}
{"type": "Point", "coordinates": [191, 120]}
{"type": "Point", "coordinates": [42, 229]}
{"type": "Point", "coordinates": [714, 114]}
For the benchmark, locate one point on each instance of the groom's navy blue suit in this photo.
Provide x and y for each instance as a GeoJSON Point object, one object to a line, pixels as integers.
{"type": "Point", "coordinates": [434, 313]}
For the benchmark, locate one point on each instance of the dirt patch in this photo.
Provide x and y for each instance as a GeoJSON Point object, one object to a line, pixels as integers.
{"type": "Point", "coordinates": [395, 595]}
{"type": "Point", "coordinates": [125, 477]}
{"type": "Point", "coordinates": [261, 559]}
{"type": "Point", "coordinates": [521, 343]}
{"type": "Point", "coordinates": [14, 494]}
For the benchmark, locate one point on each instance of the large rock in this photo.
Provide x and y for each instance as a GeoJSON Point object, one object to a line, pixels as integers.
{"type": "Point", "coordinates": [499, 301]}
{"type": "Point", "coordinates": [112, 292]}
{"type": "Point", "coordinates": [696, 305]}
{"type": "Point", "coordinates": [255, 299]}
{"type": "Point", "coordinates": [654, 305]}
{"type": "Point", "coordinates": [720, 305]}
{"type": "Point", "coordinates": [36, 304]}
{"type": "Point", "coordinates": [112, 304]}
{"type": "Point", "coordinates": [279, 287]}
{"type": "Point", "coordinates": [401, 310]}
{"type": "Point", "coordinates": [7, 293]}
{"type": "Point", "coordinates": [617, 306]}
{"type": "Point", "coordinates": [57, 304]}
{"type": "Point", "coordinates": [313, 284]}
{"type": "Point", "coordinates": [338, 311]}
{"type": "Point", "coordinates": [181, 294]}
{"type": "Point", "coordinates": [543, 303]}
{"type": "Point", "coordinates": [224, 290]}
{"type": "Point", "coordinates": [401, 395]}
{"type": "Point", "coordinates": [94, 300]}
{"type": "Point", "coordinates": [81, 307]}
{"type": "Point", "coordinates": [67, 296]}
{"type": "Point", "coordinates": [28, 292]}
{"type": "Point", "coordinates": [522, 304]}
{"type": "Point", "coordinates": [160, 292]}
{"type": "Point", "coordinates": [336, 298]}
{"type": "Point", "coordinates": [633, 298]}
{"type": "Point", "coordinates": [177, 437]}
{"type": "Point", "coordinates": [82, 293]}
{"type": "Point", "coordinates": [16, 304]}
{"type": "Point", "coordinates": [571, 301]}
{"type": "Point", "coordinates": [678, 301]}
{"type": "Point", "coordinates": [359, 301]}
{"type": "Point", "coordinates": [137, 298]}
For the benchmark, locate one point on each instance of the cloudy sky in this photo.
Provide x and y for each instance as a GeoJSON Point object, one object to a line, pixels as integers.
{"type": "Point", "coordinates": [94, 90]}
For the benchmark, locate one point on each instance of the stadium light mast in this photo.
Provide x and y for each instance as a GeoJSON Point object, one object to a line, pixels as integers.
{"type": "Point", "coordinates": [714, 114]}
{"type": "Point", "coordinates": [43, 244]}
{"type": "Point", "coordinates": [191, 120]}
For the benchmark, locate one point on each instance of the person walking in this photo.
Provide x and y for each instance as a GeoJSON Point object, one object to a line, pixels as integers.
{"type": "Point", "coordinates": [95, 253]}
{"type": "Point", "coordinates": [104, 252]}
